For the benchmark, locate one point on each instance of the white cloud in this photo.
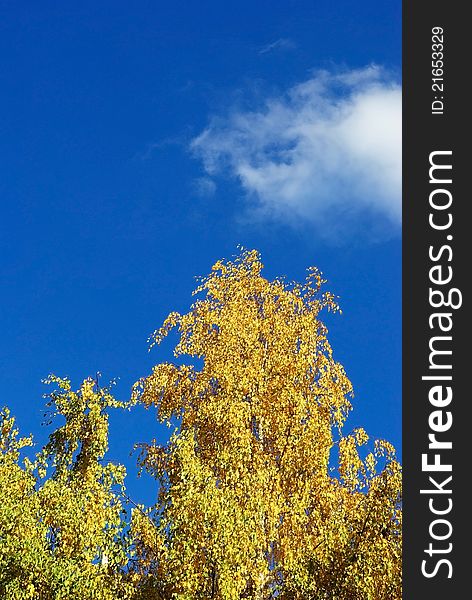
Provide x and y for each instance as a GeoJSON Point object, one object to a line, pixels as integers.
{"type": "Point", "coordinates": [326, 152]}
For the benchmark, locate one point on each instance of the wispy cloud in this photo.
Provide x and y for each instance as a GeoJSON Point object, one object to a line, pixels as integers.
{"type": "Point", "coordinates": [280, 44]}
{"type": "Point", "coordinates": [162, 144]}
{"type": "Point", "coordinates": [326, 152]}
{"type": "Point", "coordinates": [204, 187]}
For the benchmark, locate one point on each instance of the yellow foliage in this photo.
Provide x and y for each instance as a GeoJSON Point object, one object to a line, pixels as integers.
{"type": "Point", "coordinates": [261, 495]}
{"type": "Point", "coordinates": [62, 536]}
{"type": "Point", "coordinates": [249, 505]}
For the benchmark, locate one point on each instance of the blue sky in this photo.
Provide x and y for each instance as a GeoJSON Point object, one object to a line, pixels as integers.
{"type": "Point", "coordinates": [140, 142]}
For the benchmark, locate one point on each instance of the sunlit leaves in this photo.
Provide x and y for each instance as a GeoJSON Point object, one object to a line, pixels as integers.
{"type": "Point", "coordinates": [261, 494]}
{"type": "Point", "coordinates": [61, 529]}
{"type": "Point", "coordinates": [249, 503]}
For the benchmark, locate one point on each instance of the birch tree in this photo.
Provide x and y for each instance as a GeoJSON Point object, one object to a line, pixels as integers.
{"type": "Point", "coordinates": [262, 492]}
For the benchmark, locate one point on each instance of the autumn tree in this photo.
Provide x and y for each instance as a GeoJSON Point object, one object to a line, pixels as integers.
{"type": "Point", "coordinates": [261, 494]}
{"type": "Point", "coordinates": [62, 532]}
